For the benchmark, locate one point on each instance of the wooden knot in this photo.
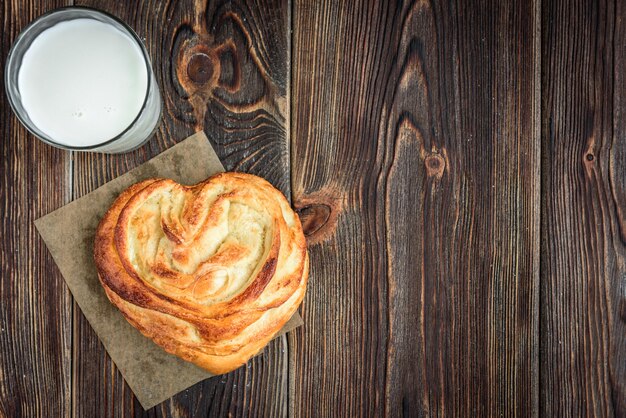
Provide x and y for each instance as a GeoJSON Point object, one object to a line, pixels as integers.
{"type": "Point", "coordinates": [200, 68]}
{"type": "Point", "coordinates": [589, 163]}
{"type": "Point", "coordinates": [435, 165]}
{"type": "Point", "coordinates": [318, 213]}
{"type": "Point", "coordinates": [313, 217]}
{"type": "Point", "coordinates": [590, 157]}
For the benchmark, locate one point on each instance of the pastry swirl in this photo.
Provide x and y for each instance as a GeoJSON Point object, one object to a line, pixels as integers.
{"type": "Point", "coordinates": [209, 272]}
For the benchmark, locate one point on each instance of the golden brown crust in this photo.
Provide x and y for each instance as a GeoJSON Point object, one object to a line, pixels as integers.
{"type": "Point", "coordinates": [209, 272]}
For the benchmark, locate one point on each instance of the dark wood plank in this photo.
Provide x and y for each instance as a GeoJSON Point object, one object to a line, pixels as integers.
{"type": "Point", "coordinates": [223, 67]}
{"type": "Point", "coordinates": [35, 305]}
{"type": "Point", "coordinates": [583, 280]}
{"type": "Point", "coordinates": [416, 167]}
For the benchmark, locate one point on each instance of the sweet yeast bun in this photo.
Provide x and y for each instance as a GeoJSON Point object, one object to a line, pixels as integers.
{"type": "Point", "coordinates": [209, 272]}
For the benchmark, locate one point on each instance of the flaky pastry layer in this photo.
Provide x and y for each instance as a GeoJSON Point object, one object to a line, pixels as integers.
{"type": "Point", "coordinates": [209, 272]}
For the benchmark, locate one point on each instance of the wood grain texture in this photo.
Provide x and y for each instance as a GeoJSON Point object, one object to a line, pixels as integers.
{"type": "Point", "coordinates": [583, 263]}
{"type": "Point", "coordinates": [416, 125]}
{"type": "Point", "coordinates": [467, 250]}
{"type": "Point", "coordinates": [222, 66]}
{"type": "Point", "coordinates": [35, 305]}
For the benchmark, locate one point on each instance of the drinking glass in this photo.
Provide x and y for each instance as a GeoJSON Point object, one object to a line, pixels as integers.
{"type": "Point", "coordinates": [134, 135]}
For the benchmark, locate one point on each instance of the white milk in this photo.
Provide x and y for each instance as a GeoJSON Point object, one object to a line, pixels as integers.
{"type": "Point", "coordinates": [83, 82]}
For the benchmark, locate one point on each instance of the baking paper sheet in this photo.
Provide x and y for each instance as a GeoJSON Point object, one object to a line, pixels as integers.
{"type": "Point", "coordinates": [68, 232]}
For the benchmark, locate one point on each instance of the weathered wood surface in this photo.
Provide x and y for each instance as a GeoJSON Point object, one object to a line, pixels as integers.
{"type": "Point", "coordinates": [583, 253]}
{"type": "Point", "coordinates": [35, 305]}
{"type": "Point", "coordinates": [459, 168]}
{"type": "Point", "coordinates": [222, 67]}
{"type": "Point", "coordinates": [424, 290]}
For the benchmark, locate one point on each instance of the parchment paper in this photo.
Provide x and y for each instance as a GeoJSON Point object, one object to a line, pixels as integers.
{"type": "Point", "coordinates": [68, 232]}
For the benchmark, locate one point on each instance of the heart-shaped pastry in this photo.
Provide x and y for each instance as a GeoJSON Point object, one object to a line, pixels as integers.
{"type": "Point", "coordinates": [209, 272]}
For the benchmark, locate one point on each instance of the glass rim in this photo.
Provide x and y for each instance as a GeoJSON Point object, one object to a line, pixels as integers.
{"type": "Point", "coordinates": [30, 126]}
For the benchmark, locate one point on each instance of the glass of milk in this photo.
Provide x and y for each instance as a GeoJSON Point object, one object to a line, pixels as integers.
{"type": "Point", "coordinates": [81, 79]}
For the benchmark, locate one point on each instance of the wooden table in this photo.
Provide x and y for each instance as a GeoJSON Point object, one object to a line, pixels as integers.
{"type": "Point", "coordinates": [460, 169]}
